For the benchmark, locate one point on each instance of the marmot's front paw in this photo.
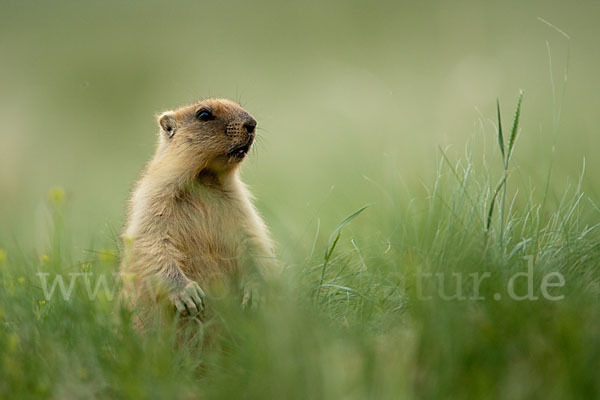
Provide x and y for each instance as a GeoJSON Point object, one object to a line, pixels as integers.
{"type": "Point", "coordinates": [190, 300]}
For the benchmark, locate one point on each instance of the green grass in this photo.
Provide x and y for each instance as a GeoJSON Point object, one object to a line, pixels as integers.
{"type": "Point", "coordinates": [361, 322]}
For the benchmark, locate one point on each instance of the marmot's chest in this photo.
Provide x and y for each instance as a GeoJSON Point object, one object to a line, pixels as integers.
{"type": "Point", "coordinates": [210, 237]}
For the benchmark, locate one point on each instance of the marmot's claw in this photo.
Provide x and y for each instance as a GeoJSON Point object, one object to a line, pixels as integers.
{"type": "Point", "coordinates": [190, 301]}
{"type": "Point", "coordinates": [180, 307]}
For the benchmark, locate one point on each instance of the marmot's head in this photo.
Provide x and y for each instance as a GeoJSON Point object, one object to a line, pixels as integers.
{"type": "Point", "coordinates": [215, 133]}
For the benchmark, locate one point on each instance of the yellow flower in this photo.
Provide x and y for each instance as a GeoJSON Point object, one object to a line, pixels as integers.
{"type": "Point", "coordinates": [21, 280]}
{"type": "Point", "coordinates": [42, 303]}
{"type": "Point", "coordinates": [2, 256]}
{"type": "Point", "coordinates": [44, 258]}
{"type": "Point", "coordinates": [56, 195]}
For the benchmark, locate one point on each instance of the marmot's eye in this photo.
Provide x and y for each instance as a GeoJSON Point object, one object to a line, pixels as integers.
{"type": "Point", "coordinates": [204, 115]}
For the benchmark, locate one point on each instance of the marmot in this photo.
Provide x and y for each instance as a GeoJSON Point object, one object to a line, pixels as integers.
{"type": "Point", "coordinates": [191, 222]}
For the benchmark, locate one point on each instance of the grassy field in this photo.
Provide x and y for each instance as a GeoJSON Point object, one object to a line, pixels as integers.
{"type": "Point", "coordinates": [473, 272]}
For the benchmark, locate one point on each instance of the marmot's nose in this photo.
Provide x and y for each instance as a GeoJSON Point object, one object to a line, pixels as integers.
{"type": "Point", "coordinates": [250, 125]}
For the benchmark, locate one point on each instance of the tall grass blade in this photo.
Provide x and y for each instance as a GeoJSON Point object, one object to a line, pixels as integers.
{"type": "Point", "coordinates": [500, 136]}
{"type": "Point", "coordinates": [515, 127]}
{"type": "Point", "coordinates": [333, 240]}
{"type": "Point", "coordinates": [505, 160]}
{"type": "Point", "coordinates": [341, 225]}
{"type": "Point", "coordinates": [493, 202]}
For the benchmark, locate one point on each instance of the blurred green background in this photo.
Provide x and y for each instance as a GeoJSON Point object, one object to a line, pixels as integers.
{"type": "Point", "coordinates": [347, 95]}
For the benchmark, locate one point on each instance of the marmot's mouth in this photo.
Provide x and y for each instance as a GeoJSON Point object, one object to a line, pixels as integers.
{"type": "Point", "coordinates": [239, 151]}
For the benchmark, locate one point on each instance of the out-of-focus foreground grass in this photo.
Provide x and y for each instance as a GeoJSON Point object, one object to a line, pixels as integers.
{"type": "Point", "coordinates": [358, 103]}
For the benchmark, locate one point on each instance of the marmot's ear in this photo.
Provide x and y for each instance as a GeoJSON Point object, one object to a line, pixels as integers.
{"type": "Point", "coordinates": [167, 123]}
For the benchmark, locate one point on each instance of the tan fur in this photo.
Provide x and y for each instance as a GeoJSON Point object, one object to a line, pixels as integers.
{"type": "Point", "coordinates": [190, 216]}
